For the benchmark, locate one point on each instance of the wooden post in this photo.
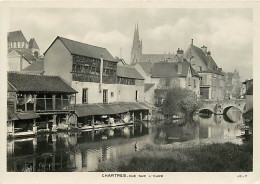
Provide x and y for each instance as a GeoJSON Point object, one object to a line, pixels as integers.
{"type": "Point", "coordinates": [25, 102]}
{"type": "Point", "coordinates": [141, 116]}
{"type": "Point", "coordinates": [34, 126]}
{"type": "Point", "coordinates": [61, 99]}
{"type": "Point", "coordinates": [69, 98]}
{"type": "Point", "coordinates": [53, 102]}
{"type": "Point", "coordinates": [45, 104]}
{"type": "Point", "coordinates": [133, 117]}
{"type": "Point", "coordinates": [54, 124]}
{"type": "Point", "coordinates": [35, 102]}
{"type": "Point", "coordinates": [92, 122]}
{"type": "Point", "coordinates": [12, 128]}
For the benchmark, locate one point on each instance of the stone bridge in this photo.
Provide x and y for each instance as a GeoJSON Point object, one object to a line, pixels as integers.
{"type": "Point", "coordinates": [222, 106]}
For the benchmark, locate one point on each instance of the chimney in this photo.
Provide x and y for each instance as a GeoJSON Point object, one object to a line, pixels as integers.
{"type": "Point", "coordinates": [101, 74]}
{"type": "Point", "coordinates": [179, 52]}
{"type": "Point", "coordinates": [204, 49]}
{"type": "Point", "coordinates": [191, 41]}
{"type": "Point", "coordinates": [179, 69]}
{"type": "Point", "coordinates": [208, 53]}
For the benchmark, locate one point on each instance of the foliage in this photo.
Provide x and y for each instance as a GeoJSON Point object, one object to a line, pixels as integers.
{"type": "Point", "coordinates": [179, 100]}
{"type": "Point", "coordinates": [226, 157]}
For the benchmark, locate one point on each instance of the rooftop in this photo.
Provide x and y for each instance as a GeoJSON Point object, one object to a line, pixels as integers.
{"type": "Point", "coordinates": [83, 49]}
{"type": "Point", "coordinates": [33, 44]}
{"type": "Point", "coordinates": [16, 36]}
{"type": "Point", "coordinates": [128, 72]}
{"type": "Point", "coordinates": [38, 83]}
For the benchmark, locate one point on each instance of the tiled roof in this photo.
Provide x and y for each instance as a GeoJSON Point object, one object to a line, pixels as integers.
{"type": "Point", "coordinates": [83, 49]}
{"type": "Point", "coordinates": [33, 44]}
{"type": "Point", "coordinates": [211, 63]}
{"type": "Point", "coordinates": [38, 83]}
{"type": "Point", "coordinates": [152, 57]}
{"type": "Point", "coordinates": [37, 66]}
{"type": "Point", "coordinates": [169, 69]}
{"type": "Point", "coordinates": [27, 55]}
{"type": "Point", "coordinates": [148, 86]}
{"type": "Point", "coordinates": [16, 36]}
{"type": "Point", "coordinates": [146, 67]}
{"type": "Point", "coordinates": [128, 72]}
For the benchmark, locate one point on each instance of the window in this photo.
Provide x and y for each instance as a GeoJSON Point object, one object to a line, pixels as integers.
{"type": "Point", "coordinates": [189, 81]}
{"type": "Point", "coordinates": [105, 96]}
{"type": "Point", "coordinates": [199, 68]}
{"type": "Point", "coordinates": [136, 95]}
{"type": "Point", "coordinates": [16, 44]}
{"type": "Point", "coordinates": [194, 81]}
{"type": "Point", "coordinates": [85, 95]}
{"type": "Point", "coordinates": [112, 94]}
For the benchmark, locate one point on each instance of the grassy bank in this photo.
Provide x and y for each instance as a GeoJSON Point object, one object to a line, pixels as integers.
{"type": "Point", "coordinates": [226, 157]}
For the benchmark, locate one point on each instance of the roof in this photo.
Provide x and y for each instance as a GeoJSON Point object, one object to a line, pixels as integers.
{"type": "Point", "coordinates": [99, 109]}
{"type": "Point", "coordinates": [10, 88]}
{"type": "Point", "coordinates": [207, 59]}
{"type": "Point", "coordinates": [38, 83]}
{"type": "Point", "coordinates": [128, 72]}
{"type": "Point", "coordinates": [37, 66]}
{"type": "Point", "coordinates": [27, 115]}
{"type": "Point", "coordinates": [132, 106]}
{"type": "Point", "coordinates": [83, 49]}
{"type": "Point", "coordinates": [148, 86]}
{"type": "Point", "coordinates": [170, 69]}
{"type": "Point", "coordinates": [27, 55]}
{"type": "Point", "coordinates": [152, 57]}
{"type": "Point", "coordinates": [33, 44]}
{"type": "Point", "coordinates": [146, 66]}
{"type": "Point", "coordinates": [16, 36]}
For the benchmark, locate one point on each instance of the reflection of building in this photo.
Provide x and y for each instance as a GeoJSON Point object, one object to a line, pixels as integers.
{"type": "Point", "coordinates": [212, 83]}
{"type": "Point", "coordinates": [21, 53]}
{"type": "Point", "coordinates": [249, 94]}
{"type": "Point", "coordinates": [233, 84]}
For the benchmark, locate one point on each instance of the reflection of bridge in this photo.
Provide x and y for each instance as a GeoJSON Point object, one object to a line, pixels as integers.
{"type": "Point", "coordinates": [221, 107]}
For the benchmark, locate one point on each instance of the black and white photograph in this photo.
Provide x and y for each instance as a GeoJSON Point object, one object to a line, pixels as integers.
{"type": "Point", "coordinates": [138, 89]}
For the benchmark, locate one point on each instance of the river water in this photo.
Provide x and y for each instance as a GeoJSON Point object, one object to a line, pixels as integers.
{"type": "Point", "coordinates": [84, 151]}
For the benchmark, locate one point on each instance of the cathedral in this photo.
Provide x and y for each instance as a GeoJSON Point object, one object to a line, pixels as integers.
{"type": "Point", "coordinates": [137, 55]}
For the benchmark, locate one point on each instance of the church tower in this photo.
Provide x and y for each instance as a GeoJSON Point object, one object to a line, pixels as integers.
{"type": "Point", "coordinates": [137, 47]}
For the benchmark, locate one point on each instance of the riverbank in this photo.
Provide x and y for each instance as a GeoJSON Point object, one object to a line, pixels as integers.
{"type": "Point", "coordinates": [215, 157]}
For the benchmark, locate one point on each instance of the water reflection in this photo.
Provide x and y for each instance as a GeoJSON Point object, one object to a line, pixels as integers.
{"type": "Point", "coordinates": [84, 151]}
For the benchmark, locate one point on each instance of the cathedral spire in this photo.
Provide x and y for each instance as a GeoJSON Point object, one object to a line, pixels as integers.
{"type": "Point", "coordinates": [137, 46]}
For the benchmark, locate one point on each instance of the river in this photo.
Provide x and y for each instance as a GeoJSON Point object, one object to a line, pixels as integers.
{"type": "Point", "coordinates": [84, 151]}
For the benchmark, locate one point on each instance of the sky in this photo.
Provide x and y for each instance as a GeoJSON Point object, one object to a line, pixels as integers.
{"type": "Point", "coordinates": [226, 32]}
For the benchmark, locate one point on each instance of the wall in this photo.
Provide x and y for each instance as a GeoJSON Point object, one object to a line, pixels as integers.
{"type": "Point", "coordinates": [14, 60]}
{"type": "Point", "coordinates": [126, 93]}
{"type": "Point", "coordinates": [149, 96]}
{"type": "Point", "coordinates": [94, 96]}
{"type": "Point", "coordinates": [147, 78]}
{"type": "Point", "coordinates": [58, 61]}
{"type": "Point", "coordinates": [249, 102]}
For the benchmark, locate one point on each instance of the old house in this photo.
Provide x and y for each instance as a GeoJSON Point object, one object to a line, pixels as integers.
{"type": "Point", "coordinates": [94, 73]}
{"type": "Point", "coordinates": [233, 85]}
{"type": "Point", "coordinates": [21, 53]}
{"type": "Point", "coordinates": [212, 83]}
{"type": "Point", "coordinates": [38, 102]}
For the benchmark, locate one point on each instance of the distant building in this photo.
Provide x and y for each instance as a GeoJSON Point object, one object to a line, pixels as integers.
{"type": "Point", "coordinates": [137, 52]}
{"type": "Point", "coordinates": [248, 94]}
{"type": "Point", "coordinates": [165, 75]}
{"type": "Point", "coordinates": [21, 53]}
{"type": "Point", "coordinates": [212, 83]}
{"type": "Point", "coordinates": [233, 85]}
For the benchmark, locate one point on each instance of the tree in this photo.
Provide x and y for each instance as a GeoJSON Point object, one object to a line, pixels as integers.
{"type": "Point", "coordinates": [179, 100]}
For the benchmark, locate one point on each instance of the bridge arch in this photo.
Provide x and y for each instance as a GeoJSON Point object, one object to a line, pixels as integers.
{"type": "Point", "coordinates": [206, 111]}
